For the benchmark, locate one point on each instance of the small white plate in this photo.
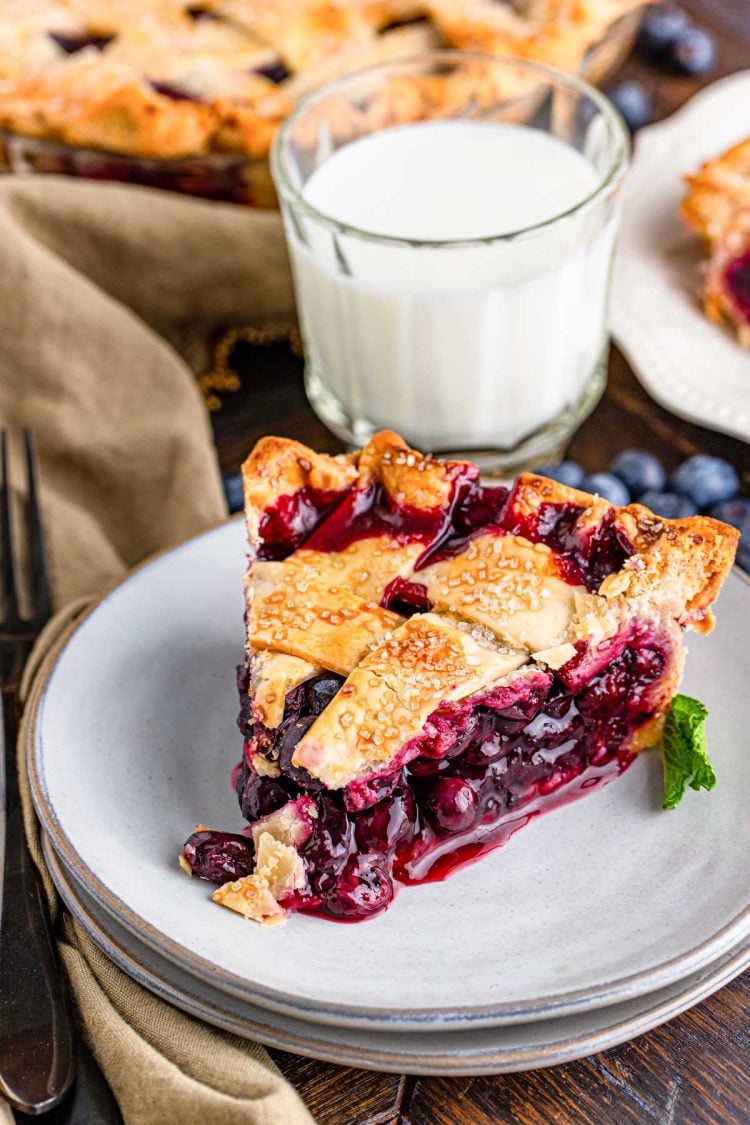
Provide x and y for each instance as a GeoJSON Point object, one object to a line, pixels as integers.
{"type": "Point", "coordinates": [690, 365]}
{"type": "Point", "coordinates": [481, 1051]}
{"type": "Point", "coordinates": [132, 743]}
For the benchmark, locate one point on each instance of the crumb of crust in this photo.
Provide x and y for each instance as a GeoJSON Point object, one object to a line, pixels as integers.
{"type": "Point", "coordinates": [279, 869]}
{"type": "Point", "coordinates": [184, 864]}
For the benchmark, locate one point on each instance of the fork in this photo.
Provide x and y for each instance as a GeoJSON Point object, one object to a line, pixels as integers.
{"type": "Point", "coordinates": [37, 1057]}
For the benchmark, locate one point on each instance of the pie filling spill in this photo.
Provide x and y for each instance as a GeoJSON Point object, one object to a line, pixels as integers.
{"type": "Point", "coordinates": [431, 662]}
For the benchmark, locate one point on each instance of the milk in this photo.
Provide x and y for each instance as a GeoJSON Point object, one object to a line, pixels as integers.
{"type": "Point", "coordinates": [479, 343]}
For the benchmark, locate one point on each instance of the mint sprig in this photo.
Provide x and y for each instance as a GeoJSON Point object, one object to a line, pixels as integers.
{"type": "Point", "coordinates": [685, 750]}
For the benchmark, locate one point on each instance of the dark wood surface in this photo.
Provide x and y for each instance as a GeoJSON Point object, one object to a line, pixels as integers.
{"type": "Point", "coordinates": [694, 1069]}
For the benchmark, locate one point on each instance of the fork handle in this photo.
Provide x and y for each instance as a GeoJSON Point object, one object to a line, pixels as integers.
{"type": "Point", "coordinates": [37, 1059]}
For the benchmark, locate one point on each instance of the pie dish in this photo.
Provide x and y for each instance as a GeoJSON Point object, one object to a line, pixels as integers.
{"type": "Point", "coordinates": [432, 661]}
{"type": "Point", "coordinates": [172, 79]}
{"type": "Point", "coordinates": [717, 207]}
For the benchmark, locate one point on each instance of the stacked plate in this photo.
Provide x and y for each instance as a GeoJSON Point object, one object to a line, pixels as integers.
{"type": "Point", "coordinates": [594, 924]}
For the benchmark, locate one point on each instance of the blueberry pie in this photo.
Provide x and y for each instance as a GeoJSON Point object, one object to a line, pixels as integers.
{"type": "Point", "coordinates": [182, 78]}
{"type": "Point", "coordinates": [432, 661]}
{"type": "Point", "coordinates": [717, 207]}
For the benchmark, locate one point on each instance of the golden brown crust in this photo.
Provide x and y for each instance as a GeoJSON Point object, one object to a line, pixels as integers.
{"type": "Point", "coordinates": [509, 585]}
{"type": "Point", "coordinates": [717, 207]}
{"type": "Point", "coordinates": [410, 478]}
{"type": "Point", "coordinates": [678, 564]}
{"type": "Point", "coordinates": [279, 467]}
{"type": "Point", "coordinates": [293, 608]}
{"type": "Point", "coordinates": [387, 698]}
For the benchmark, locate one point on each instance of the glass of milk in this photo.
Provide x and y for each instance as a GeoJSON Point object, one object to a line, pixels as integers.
{"type": "Point", "coordinates": [451, 220]}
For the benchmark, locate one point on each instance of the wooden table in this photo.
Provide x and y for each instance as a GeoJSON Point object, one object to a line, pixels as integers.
{"type": "Point", "coordinates": [694, 1069]}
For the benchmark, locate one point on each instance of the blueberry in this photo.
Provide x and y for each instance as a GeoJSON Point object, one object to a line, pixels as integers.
{"type": "Point", "coordinates": [219, 857]}
{"type": "Point", "coordinates": [693, 52]}
{"type": "Point", "coordinates": [387, 824]}
{"type": "Point", "coordinates": [736, 512]}
{"type": "Point", "coordinates": [660, 27]}
{"type": "Point", "coordinates": [633, 102]}
{"type": "Point", "coordinates": [668, 505]}
{"type": "Point", "coordinates": [743, 557]}
{"type": "Point", "coordinates": [608, 486]}
{"type": "Point", "coordinates": [451, 805]}
{"type": "Point", "coordinates": [233, 491]}
{"type": "Point", "coordinates": [641, 471]}
{"type": "Point", "coordinates": [364, 886]}
{"type": "Point", "coordinates": [259, 796]}
{"type": "Point", "coordinates": [567, 472]}
{"type": "Point", "coordinates": [706, 480]}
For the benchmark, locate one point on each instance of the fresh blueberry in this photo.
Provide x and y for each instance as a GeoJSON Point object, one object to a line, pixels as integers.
{"type": "Point", "coordinates": [567, 472]}
{"type": "Point", "coordinates": [706, 480]}
{"type": "Point", "coordinates": [233, 491]}
{"type": "Point", "coordinates": [668, 505]}
{"type": "Point", "coordinates": [660, 27]}
{"type": "Point", "coordinates": [608, 486]}
{"type": "Point", "coordinates": [641, 471]}
{"type": "Point", "coordinates": [693, 52]}
{"type": "Point", "coordinates": [743, 556]}
{"type": "Point", "coordinates": [736, 512]}
{"type": "Point", "coordinates": [633, 102]}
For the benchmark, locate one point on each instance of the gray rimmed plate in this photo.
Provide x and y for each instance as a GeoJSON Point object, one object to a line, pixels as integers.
{"type": "Point", "coordinates": [479, 1051]}
{"type": "Point", "coordinates": [132, 741]}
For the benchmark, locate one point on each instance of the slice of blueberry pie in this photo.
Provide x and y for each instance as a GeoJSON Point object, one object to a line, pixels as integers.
{"type": "Point", "coordinates": [717, 207]}
{"type": "Point", "coordinates": [432, 661]}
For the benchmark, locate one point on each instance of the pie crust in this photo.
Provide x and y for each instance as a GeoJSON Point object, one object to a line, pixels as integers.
{"type": "Point", "coordinates": [173, 79]}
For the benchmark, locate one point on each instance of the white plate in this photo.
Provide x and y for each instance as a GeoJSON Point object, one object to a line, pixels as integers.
{"type": "Point", "coordinates": [481, 1051]}
{"type": "Point", "coordinates": [690, 365]}
{"type": "Point", "coordinates": [132, 744]}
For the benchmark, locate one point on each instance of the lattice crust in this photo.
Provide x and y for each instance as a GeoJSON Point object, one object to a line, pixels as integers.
{"type": "Point", "coordinates": [291, 608]}
{"type": "Point", "coordinates": [389, 695]}
{"type": "Point", "coordinates": [717, 207]}
{"type": "Point", "coordinates": [507, 584]}
{"type": "Point", "coordinates": [171, 78]}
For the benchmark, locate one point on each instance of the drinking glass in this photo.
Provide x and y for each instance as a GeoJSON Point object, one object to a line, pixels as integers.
{"type": "Point", "coordinates": [492, 347]}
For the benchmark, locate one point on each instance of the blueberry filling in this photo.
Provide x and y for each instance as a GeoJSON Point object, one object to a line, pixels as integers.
{"type": "Point", "coordinates": [274, 72]}
{"type": "Point", "coordinates": [483, 770]}
{"type": "Point", "coordinates": [167, 90]}
{"type": "Point", "coordinates": [197, 13]}
{"type": "Point", "coordinates": [332, 521]}
{"type": "Point", "coordinates": [73, 43]}
{"type": "Point", "coordinates": [737, 278]}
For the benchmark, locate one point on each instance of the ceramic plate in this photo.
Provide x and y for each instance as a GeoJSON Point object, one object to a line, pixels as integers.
{"type": "Point", "coordinates": [132, 743]}
{"type": "Point", "coordinates": [691, 366]}
{"type": "Point", "coordinates": [479, 1051]}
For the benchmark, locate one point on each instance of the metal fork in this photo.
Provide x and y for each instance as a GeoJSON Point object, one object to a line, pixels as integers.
{"type": "Point", "coordinates": [37, 1059]}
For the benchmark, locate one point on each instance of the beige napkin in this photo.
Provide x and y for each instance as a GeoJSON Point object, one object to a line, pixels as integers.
{"type": "Point", "coordinates": [101, 287]}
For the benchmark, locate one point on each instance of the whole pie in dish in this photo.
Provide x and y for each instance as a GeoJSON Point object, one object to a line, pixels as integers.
{"type": "Point", "coordinates": [181, 78]}
{"type": "Point", "coordinates": [717, 207]}
{"type": "Point", "coordinates": [432, 661]}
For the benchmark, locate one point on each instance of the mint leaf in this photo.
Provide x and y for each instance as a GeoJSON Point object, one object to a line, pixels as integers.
{"type": "Point", "coordinates": [685, 750]}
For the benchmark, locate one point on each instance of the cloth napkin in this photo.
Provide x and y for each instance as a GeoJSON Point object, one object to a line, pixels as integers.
{"type": "Point", "coordinates": [104, 289]}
